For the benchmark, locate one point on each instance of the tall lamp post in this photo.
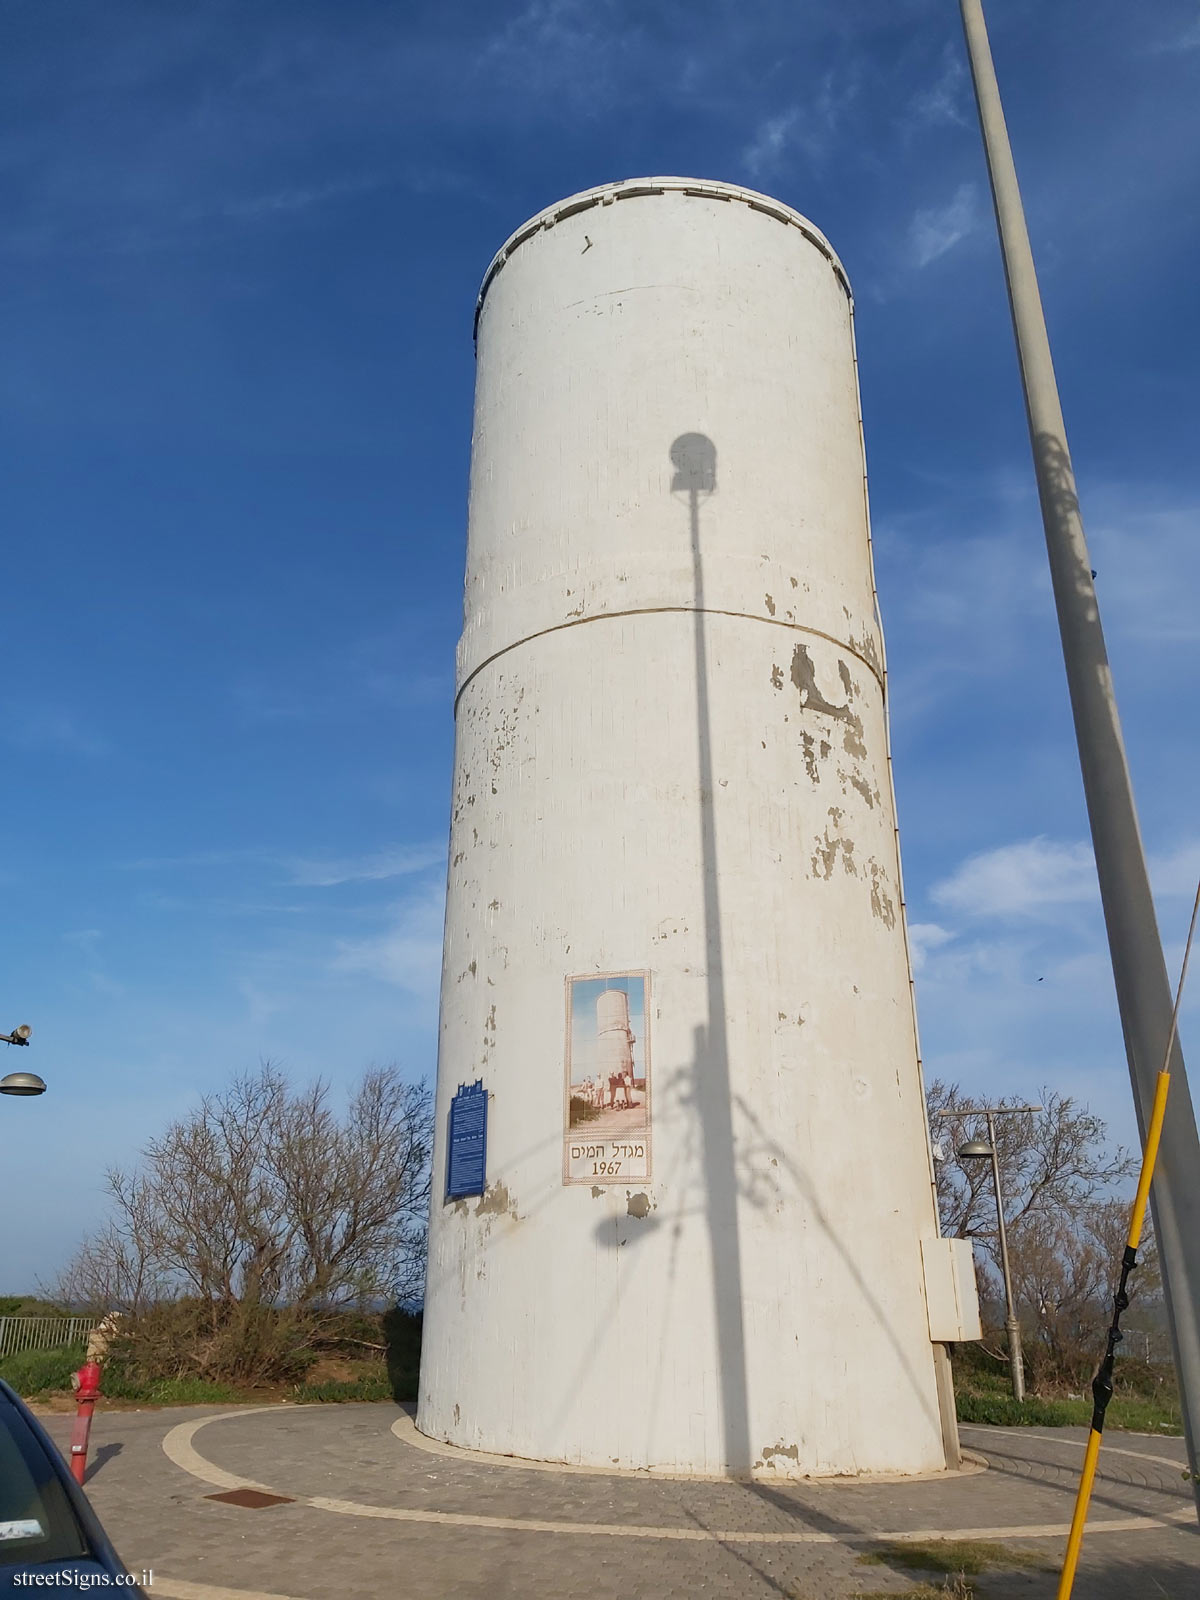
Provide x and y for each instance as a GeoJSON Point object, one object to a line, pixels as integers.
{"type": "Point", "coordinates": [24, 1083]}
{"type": "Point", "coordinates": [977, 1150]}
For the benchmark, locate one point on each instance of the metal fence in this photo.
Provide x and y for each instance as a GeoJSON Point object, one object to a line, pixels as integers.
{"type": "Point", "coordinates": [42, 1333]}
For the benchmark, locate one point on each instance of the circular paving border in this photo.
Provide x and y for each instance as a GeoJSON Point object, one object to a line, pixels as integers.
{"type": "Point", "coordinates": [178, 1447]}
{"type": "Point", "coordinates": [406, 1430]}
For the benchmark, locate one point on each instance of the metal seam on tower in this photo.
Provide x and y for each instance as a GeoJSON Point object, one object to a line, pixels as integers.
{"type": "Point", "coordinates": [652, 611]}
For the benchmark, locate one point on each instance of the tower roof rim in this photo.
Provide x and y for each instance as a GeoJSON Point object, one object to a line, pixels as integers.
{"type": "Point", "coordinates": [630, 188]}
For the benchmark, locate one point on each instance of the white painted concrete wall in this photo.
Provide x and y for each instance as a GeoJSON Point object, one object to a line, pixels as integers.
{"type": "Point", "coordinates": [703, 793]}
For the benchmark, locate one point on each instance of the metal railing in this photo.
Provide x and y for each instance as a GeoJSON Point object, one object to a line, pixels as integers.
{"type": "Point", "coordinates": [42, 1333]}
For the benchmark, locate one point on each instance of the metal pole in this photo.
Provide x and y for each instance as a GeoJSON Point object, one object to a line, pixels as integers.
{"type": "Point", "coordinates": [1011, 1324]}
{"type": "Point", "coordinates": [1143, 991]}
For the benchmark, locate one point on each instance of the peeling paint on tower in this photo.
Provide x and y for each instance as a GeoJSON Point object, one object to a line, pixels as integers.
{"type": "Point", "coordinates": [672, 780]}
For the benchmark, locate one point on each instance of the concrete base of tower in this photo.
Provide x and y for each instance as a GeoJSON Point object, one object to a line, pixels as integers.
{"type": "Point", "coordinates": [407, 1430]}
{"type": "Point", "coordinates": [749, 1392]}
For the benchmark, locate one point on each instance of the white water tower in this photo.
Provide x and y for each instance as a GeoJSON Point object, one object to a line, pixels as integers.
{"type": "Point", "coordinates": [674, 842]}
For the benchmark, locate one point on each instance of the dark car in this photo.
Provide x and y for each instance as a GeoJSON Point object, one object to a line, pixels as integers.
{"type": "Point", "coordinates": [47, 1525]}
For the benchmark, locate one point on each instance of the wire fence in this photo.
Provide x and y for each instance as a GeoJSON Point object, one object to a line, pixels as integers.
{"type": "Point", "coordinates": [42, 1333]}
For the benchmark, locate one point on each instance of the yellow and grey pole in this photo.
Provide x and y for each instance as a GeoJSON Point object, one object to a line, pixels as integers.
{"type": "Point", "coordinates": [1102, 1384]}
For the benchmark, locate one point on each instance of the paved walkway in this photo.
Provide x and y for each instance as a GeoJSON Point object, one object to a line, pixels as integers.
{"type": "Point", "coordinates": [362, 1507]}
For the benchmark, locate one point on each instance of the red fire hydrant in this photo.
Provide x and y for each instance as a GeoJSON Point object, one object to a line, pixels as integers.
{"type": "Point", "coordinates": [87, 1390]}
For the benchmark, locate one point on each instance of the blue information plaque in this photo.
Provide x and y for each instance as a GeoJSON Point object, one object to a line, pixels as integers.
{"type": "Point", "coordinates": [466, 1159]}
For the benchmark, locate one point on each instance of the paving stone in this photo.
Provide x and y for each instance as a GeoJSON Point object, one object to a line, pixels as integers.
{"type": "Point", "coordinates": [160, 1516]}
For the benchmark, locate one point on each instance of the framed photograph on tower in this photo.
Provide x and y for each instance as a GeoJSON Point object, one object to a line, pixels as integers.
{"type": "Point", "coordinates": [606, 1098]}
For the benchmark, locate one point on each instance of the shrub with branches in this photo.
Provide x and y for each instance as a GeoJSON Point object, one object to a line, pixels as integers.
{"type": "Point", "coordinates": [255, 1224]}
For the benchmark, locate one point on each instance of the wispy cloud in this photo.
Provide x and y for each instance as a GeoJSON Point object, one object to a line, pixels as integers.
{"type": "Point", "coordinates": [1039, 877]}
{"type": "Point", "coordinates": [353, 677]}
{"type": "Point", "coordinates": [1179, 44]}
{"type": "Point", "coordinates": [261, 1004]}
{"type": "Point", "coordinates": [1177, 871]}
{"type": "Point", "coordinates": [807, 130]}
{"type": "Point", "coordinates": [408, 953]}
{"type": "Point", "coordinates": [1020, 880]}
{"type": "Point", "coordinates": [282, 202]}
{"type": "Point", "coordinates": [923, 938]}
{"type": "Point", "coordinates": [771, 138]}
{"type": "Point", "coordinates": [309, 872]}
{"type": "Point", "coordinates": [397, 861]}
{"type": "Point", "coordinates": [577, 47]}
{"type": "Point", "coordinates": [1016, 974]}
{"type": "Point", "coordinates": [87, 942]}
{"type": "Point", "coordinates": [944, 101]}
{"type": "Point", "coordinates": [936, 229]}
{"type": "Point", "coordinates": [1147, 558]}
{"type": "Point", "coordinates": [194, 858]}
{"type": "Point", "coordinates": [52, 728]}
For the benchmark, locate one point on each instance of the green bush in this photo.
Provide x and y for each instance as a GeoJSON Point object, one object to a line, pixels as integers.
{"type": "Point", "coordinates": [1154, 1380]}
{"type": "Point", "coordinates": [28, 1305]}
{"type": "Point", "coordinates": [182, 1353]}
{"type": "Point", "coordinates": [34, 1372]}
{"type": "Point", "coordinates": [402, 1336]}
{"type": "Point", "coordinates": [238, 1343]}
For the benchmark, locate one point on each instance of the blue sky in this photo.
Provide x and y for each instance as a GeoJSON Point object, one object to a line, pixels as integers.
{"type": "Point", "coordinates": [241, 246]}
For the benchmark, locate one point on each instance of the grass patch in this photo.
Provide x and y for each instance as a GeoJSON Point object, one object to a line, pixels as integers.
{"type": "Point", "coordinates": [338, 1372]}
{"type": "Point", "coordinates": [956, 1588]}
{"type": "Point", "coordinates": [28, 1305]}
{"type": "Point", "coordinates": [375, 1387]}
{"type": "Point", "coordinates": [1146, 1399]}
{"type": "Point", "coordinates": [171, 1391]}
{"type": "Point", "coordinates": [37, 1372]}
{"type": "Point", "coordinates": [1136, 1413]}
{"type": "Point", "coordinates": [1031, 1412]}
{"type": "Point", "coordinates": [1139, 1415]}
{"type": "Point", "coordinates": [954, 1556]}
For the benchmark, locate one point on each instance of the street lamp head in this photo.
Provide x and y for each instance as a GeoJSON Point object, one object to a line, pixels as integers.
{"type": "Point", "coordinates": [21, 1035]}
{"type": "Point", "coordinates": [974, 1151]}
{"type": "Point", "coordinates": [22, 1083]}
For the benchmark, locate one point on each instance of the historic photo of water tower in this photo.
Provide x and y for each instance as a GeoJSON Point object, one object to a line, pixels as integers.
{"type": "Point", "coordinates": [607, 1135]}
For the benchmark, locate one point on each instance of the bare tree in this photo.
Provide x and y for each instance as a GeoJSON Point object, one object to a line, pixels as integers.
{"type": "Point", "coordinates": [1066, 1225]}
{"type": "Point", "coordinates": [1053, 1162]}
{"type": "Point", "coordinates": [264, 1198]}
{"type": "Point", "coordinates": [1063, 1279]}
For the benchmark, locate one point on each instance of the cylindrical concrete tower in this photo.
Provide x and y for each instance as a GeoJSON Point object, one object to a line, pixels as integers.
{"type": "Point", "coordinates": [675, 950]}
{"type": "Point", "coordinates": [613, 1035]}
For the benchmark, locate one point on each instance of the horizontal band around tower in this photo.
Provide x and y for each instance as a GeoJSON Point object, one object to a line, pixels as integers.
{"type": "Point", "coordinates": [659, 611]}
